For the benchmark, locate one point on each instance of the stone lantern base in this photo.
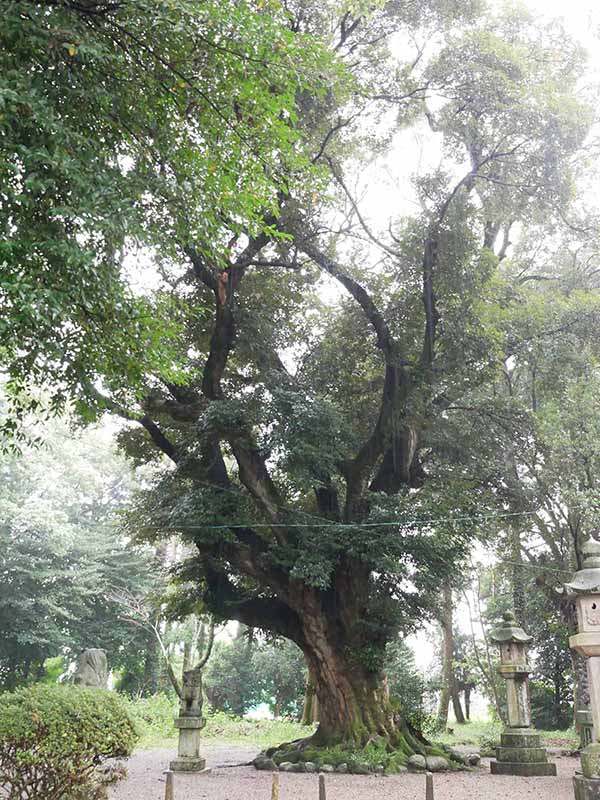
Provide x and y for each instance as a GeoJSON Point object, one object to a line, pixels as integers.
{"type": "Point", "coordinates": [520, 753]}
{"type": "Point", "coordinates": [188, 756]}
{"type": "Point", "coordinates": [586, 788]}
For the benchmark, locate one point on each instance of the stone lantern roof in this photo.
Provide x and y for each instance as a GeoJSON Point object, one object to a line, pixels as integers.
{"type": "Point", "coordinates": [587, 579]}
{"type": "Point", "coordinates": [509, 631]}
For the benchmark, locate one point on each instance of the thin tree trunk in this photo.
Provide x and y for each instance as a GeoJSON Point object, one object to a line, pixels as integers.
{"type": "Point", "coordinates": [487, 671]}
{"type": "Point", "coordinates": [467, 691]}
{"type": "Point", "coordinates": [310, 711]}
{"type": "Point", "coordinates": [517, 575]}
{"type": "Point", "coordinates": [278, 707]}
{"type": "Point", "coordinates": [151, 666]}
{"type": "Point", "coordinates": [456, 706]}
{"type": "Point", "coordinates": [201, 637]}
{"type": "Point", "coordinates": [446, 693]}
{"type": "Point", "coordinates": [557, 695]}
{"type": "Point", "coordinates": [187, 658]}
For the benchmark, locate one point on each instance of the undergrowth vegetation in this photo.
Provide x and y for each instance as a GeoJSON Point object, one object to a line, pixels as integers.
{"type": "Point", "coordinates": [154, 716]}
{"type": "Point", "coordinates": [484, 735]}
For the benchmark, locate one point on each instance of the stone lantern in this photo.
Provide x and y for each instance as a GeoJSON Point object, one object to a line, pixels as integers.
{"type": "Point", "coordinates": [190, 722]}
{"type": "Point", "coordinates": [586, 586]}
{"type": "Point", "coordinates": [520, 751]}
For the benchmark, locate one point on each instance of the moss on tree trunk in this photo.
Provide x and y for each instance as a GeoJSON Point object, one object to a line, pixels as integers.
{"type": "Point", "coordinates": [351, 692]}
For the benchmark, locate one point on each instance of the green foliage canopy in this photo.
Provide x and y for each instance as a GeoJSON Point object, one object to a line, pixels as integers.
{"type": "Point", "coordinates": [156, 123]}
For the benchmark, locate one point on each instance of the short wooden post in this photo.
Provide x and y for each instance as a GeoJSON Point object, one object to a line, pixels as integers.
{"type": "Point", "coordinates": [322, 795]}
{"type": "Point", "coordinates": [275, 787]}
{"type": "Point", "coordinates": [428, 786]}
{"type": "Point", "coordinates": [169, 792]}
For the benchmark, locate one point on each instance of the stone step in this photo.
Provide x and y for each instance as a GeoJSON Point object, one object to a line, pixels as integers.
{"type": "Point", "coordinates": [531, 769]}
{"type": "Point", "coordinates": [520, 738]}
{"type": "Point", "coordinates": [521, 754]}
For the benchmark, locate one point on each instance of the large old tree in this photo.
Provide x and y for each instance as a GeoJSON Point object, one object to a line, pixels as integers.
{"type": "Point", "coordinates": [310, 350]}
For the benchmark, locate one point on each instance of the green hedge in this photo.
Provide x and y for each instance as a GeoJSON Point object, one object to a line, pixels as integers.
{"type": "Point", "coordinates": [53, 741]}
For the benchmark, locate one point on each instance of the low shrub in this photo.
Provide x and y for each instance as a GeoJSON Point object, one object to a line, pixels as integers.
{"type": "Point", "coordinates": [54, 740]}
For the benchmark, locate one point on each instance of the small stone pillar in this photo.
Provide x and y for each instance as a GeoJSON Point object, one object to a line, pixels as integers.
{"type": "Point", "coordinates": [586, 586]}
{"type": "Point", "coordinates": [520, 751]}
{"type": "Point", "coordinates": [190, 722]}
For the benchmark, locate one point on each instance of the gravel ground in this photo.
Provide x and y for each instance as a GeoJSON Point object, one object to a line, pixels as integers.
{"type": "Point", "coordinates": [146, 781]}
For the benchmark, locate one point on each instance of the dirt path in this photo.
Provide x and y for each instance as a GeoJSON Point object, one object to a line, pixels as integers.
{"type": "Point", "coordinates": [146, 781]}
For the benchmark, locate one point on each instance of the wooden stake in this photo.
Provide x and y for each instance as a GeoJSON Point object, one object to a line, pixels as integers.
{"type": "Point", "coordinates": [169, 791]}
{"type": "Point", "coordinates": [428, 786]}
{"type": "Point", "coordinates": [275, 787]}
{"type": "Point", "coordinates": [322, 795]}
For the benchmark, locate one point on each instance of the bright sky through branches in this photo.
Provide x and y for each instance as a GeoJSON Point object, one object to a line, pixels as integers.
{"type": "Point", "coordinates": [581, 17]}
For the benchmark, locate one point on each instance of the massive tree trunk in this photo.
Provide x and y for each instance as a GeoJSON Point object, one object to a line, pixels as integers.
{"type": "Point", "coordinates": [353, 701]}
{"type": "Point", "coordinates": [344, 649]}
{"type": "Point", "coordinates": [344, 657]}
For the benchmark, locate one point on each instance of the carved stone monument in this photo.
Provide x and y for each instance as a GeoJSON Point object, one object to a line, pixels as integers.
{"type": "Point", "coordinates": [190, 722]}
{"type": "Point", "coordinates": [91, 669]}
{"type": "Point", "coordinates": [520, 751]}
{"type": "Point", "coordinates": [586, 586]}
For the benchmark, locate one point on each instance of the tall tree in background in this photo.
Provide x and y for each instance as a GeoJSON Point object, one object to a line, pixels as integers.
{"type": "Point", "coordinates": [544, 414]}
{"type": "Point", "coordinates": [301, 432]}
{"type": "Point", "coordinates": [449, 690]}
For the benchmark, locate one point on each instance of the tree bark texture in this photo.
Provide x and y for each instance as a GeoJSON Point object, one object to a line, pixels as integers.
{"type": "Point", "coordinates": [456, 705]}
{"type": "Point", "coordinates": [467, 695]}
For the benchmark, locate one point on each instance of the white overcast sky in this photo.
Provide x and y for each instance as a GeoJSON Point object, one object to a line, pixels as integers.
{"type": "Point", "coordinates": [580, 15]}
